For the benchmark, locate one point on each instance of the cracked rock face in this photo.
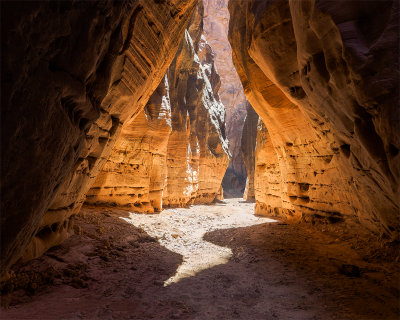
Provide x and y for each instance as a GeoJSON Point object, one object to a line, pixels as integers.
{"type": "Point", "coordinates": [174, 152]}
{"type": "Point", "coordinates": [323, 77]}
{"type": "Point", "coordinates": [72, 74]}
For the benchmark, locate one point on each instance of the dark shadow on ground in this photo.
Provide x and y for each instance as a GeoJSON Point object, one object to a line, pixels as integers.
{"type": "Point", "coordinates": [101, 272]}
{"type": "Point", "coordinates": [277, 271]}
{"type": "Point", "coordinates": [298, 272]}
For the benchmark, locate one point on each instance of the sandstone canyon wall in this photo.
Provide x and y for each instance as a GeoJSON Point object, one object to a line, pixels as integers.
{"type": "Point", "coordinates": [72, 74]}
{"type": "Point", "coordinates": [324, 78]}
{"type": "Point", "coordinates": [216, 24]}
{"type": "Point", "coordinates": [248, 148]}
{"type": "Point", "coordinates": [135, 173]}
{"type": "Point", "coordinates": [174, 153]}
{"type": "Point", "coordinates": [198, 152]}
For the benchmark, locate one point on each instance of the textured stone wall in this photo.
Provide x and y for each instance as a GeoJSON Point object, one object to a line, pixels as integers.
{"type": "Point", "coordinates": [267, 176]}
{"type": "Point", "coordinates": [177, 157]}
{"type": "Point", "coordinates": [216, 24]}
{"type": "Point", "coordinates": [72, 74]}
{"type": "Point", "coordinates": [323, 77]}
{"type": "Point", "coordinates": [198, 152]}
{"type": "Point", "coordinates": [248, 148]}
{"type": "Point", "coordinates": [136, 172]}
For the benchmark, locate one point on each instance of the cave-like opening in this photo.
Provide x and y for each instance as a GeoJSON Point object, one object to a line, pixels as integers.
{"type": "Point", "coordinates": [132, 130]}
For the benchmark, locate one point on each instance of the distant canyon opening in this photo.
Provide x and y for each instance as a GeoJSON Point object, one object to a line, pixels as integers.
{"type": "Point", "coordinates": [216, 26]}
{"type": "Point", "coordinates": [200, 159]}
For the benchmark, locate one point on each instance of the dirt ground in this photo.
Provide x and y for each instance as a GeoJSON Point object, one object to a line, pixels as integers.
{"type": "Point", "coordinates": [206, 262]}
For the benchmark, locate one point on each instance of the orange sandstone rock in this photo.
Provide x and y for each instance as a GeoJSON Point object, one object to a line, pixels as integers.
{"type": "Point", "coordinates": [135, 174]}
{"type": "Point", "coordinates": [318, 75]}
{"type": "Point", "coordinates": [197, 150]}
{"type": "Point", "coordinates": [216, 24]}
{"type": "Point", "coordinates": [75, 73]}
{"type": "Point", "coordinates": [171, 158]}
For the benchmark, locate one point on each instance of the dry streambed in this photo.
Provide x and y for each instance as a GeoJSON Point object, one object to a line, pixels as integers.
{"type": "Point", "coordinates": [182, 231]}
{"type": "Point", "coordinates": [205, 262]}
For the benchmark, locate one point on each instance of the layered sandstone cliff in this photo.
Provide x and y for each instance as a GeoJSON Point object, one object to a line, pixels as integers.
{"type": "Point", "coordinates": [216, 24]}
{"type": "Point", "coordinates": [248, 148]}
{"type": "Point", "coordinates": [323, 76]}
{"type": "Point", "coordinates": [174, 152]}
{"type": "Point", "coordinates": [197, 151]}
{"type": "Point", "coordinates": [136, 172]}
{"type": "Point", "coordinates": [72, 74]}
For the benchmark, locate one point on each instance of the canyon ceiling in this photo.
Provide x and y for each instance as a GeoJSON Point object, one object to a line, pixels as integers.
{"type": "Point", "coordinates": [117, 103]}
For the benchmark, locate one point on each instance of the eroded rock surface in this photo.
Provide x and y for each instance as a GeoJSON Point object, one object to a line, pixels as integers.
{"type": "Point", "coordinates": [72, 74]}
{"type": "Point", "coordinates": [216, 24]}
{"type": "Point", "coordinates": [174, 152]}
{"type": "Point", "coordinates": [136, 171]}
{"type": "Point", "coordinates": [323, 77]}
{"type": "Point", "coordinates": [197, 149]}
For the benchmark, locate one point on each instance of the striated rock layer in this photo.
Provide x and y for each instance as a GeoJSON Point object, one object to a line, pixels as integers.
{"type": "Point", "coordinates": [198, 117]}
{"type": "Point", "coordinates": [72, 74]}
{"type": "Point", "coordinates": [216, 24]}
{"type": "Point", "coordinates": [248, 147]}
{"type": "Point", "coordinates": [136, 172]}
{"type": "Point", "coordinates": [174, 152]}
{"type": "Point", "coordinates": [323, 77]}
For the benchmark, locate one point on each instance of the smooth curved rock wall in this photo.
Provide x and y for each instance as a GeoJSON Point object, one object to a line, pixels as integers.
{"type": "Point", "coordinates": [162, 157]}
{"type": "Point", "coordinates": [135, 174]}
{"type": "Point", "coordinates": [72, 74]}
{"type": "Point", "coordinates": [323, 77]}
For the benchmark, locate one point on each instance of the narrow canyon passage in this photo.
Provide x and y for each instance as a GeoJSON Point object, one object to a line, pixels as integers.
{"type": "Point", "coordinates": [203, 262]}
{"type": "Point", "coordinates": [200, 159]}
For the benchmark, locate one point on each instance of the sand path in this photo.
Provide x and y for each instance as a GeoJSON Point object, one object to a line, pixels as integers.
{"type": "Point", "coordinates": [204, 262]}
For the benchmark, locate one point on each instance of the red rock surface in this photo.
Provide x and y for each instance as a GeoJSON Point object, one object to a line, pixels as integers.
{"type": "Point", "coordinates": [174, 152]}
{"type": "Point", "coordinates": [72, 74]}
{"type": "Point", "coordinates": [216, 24]}
{"type": "Point", "coordinates": [323, 76]}
{"type": "Point", "coordinates": [136, 172]}
{"type": "Point", "coordinates": [198, 148]}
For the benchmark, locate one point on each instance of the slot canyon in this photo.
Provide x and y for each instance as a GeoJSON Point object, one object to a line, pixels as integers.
{"type": "Point", "coordinates": [200, 159]}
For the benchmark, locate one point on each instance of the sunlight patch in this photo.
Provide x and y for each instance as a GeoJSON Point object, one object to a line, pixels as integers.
{"type": "Point", "coordinates": [181, 230]}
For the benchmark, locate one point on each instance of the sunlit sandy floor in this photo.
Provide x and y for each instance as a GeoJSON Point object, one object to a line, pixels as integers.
{"type": "Point", "coordinates": [216, 262]}
{"type": "Point", "coordinates": [181, 230]}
